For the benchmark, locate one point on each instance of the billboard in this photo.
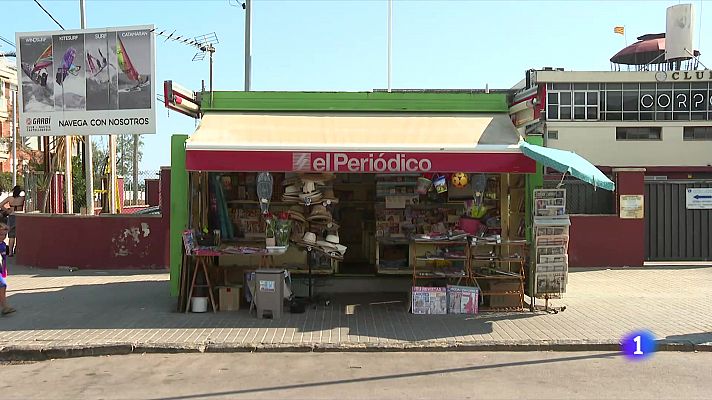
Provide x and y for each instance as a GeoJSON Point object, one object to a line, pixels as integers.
{"type": "Point", "coordinates": [87, 82]}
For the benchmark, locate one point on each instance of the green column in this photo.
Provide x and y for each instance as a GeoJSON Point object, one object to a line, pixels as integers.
{"type": "Point", "coordinates": [533, 181]}
{"type": "Point", "coordinates": [179, 208]}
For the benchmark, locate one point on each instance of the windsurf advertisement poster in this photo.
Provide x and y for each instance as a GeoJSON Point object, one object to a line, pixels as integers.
{"type": "Point", "coordinates": [87, 82]}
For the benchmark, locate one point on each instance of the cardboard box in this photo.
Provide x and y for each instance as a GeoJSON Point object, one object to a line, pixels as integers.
{"type": "Point", "coordinates": [229, 297]}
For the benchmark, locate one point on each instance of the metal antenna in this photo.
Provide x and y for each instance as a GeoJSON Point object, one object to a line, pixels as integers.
{"type": "Point", "coordinates": [204, 43]}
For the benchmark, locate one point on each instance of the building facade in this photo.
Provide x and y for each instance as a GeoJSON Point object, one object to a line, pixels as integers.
{"type": "Point", "coordinates": [657, 124]}
{"type": "Point", "coordinates": [27, 148]}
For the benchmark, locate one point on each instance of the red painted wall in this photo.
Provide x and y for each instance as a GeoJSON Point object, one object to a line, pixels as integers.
{"type": "Point", "coordinates": [92, 242]}
{"type": "Point", "coordinates": [96, 242]}
{"type": "Point", "coordinates": [152, 192]}
{"type": "Point", "coordinates": [607, 240]}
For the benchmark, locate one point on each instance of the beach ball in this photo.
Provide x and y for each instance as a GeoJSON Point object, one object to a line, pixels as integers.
{"type": "Point", "coordinates": [459, 180]}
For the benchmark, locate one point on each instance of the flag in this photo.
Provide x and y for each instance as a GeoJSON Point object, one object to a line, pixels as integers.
{"type": "Point", "coordinates": [619, 30]}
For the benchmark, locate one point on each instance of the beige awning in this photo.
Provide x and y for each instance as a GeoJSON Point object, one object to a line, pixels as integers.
{"type": "Point", "coordinates": [355, 132]}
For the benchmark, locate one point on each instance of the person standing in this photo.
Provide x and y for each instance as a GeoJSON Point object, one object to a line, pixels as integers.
{"type": "Point", "coordinates": [11, 206]}
{"type": "Point", "coordinates": [4, 307]}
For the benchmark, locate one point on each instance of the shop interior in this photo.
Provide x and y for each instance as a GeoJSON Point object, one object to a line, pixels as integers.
{"type": "Point", "coordinates": [402, 230]}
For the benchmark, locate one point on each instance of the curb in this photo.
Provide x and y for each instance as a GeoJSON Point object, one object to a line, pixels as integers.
{"type": "Point", "coordinates": [40, 353]}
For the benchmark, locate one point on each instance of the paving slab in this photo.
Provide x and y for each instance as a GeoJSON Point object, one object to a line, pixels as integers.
{"type": "Point", "coordinates": [63, 313]}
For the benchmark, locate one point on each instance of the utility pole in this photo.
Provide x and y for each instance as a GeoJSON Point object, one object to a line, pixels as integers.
{"type": "Point", "coordinates": [14, 136]}
{"type": "Point", "coordinates": [112, 174]}
{"type": "Point", "coordinates": [88, 156]}
{"type": "Point", "coordinates": [248, 44]}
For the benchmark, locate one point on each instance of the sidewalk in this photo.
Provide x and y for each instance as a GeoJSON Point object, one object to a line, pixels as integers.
{"type": "Point", "coordinates": [64, 313]}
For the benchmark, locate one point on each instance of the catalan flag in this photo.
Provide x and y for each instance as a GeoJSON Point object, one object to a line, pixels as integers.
{"type": "Point", "coordinates": [619, 30]}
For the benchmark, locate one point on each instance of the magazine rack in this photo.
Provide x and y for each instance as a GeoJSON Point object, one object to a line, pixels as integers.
{"type": "Point", "coordinates": [505, 287]}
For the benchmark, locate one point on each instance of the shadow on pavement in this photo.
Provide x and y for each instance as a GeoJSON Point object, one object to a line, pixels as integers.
{"type": "Point", "coordinates": [147, 305]}
{"type": "Point", "coordinates": [394, 376]}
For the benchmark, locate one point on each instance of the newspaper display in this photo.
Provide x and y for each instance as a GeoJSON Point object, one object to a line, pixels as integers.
{"type": "Point", "coordinates": [551, 239]}
{"type": "Point", "coordinates": [429, 300]}
{"type": "Point", "coordinates": [462, 299]}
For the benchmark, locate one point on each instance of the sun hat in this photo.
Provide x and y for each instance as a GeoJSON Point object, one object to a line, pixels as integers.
{"type": "Point", "coordinates": [334, 241]}
{"type": "Point", "coordinates": [322, 177]}
{"type": "Point", "coordinates": [297, 213]}
{"type": "Point", "coordinates": [320, 213]}
{"type": "Point", "coordinates": [310, 198]}
{"type": "Point", "coordinates": [309, 238]}
{"type": "Point", "coordinates": [309, 187]}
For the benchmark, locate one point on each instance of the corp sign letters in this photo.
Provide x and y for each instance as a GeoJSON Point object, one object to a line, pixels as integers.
{"type": "Point", "coordinates": [87, 82]}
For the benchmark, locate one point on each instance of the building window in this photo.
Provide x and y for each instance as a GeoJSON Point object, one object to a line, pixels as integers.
{"type": "Point", "coordinates": [568, 105]}
{"type": "Point", "coordinates": [639, 133]}
{"type": "Point", "coordinates": [697, 133]}
{"type": "Point", "coordinates": [552, 135]}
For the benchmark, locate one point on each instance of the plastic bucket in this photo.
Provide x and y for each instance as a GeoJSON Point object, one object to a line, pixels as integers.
{"type": "Point", "coordinates": [470, 225]}
{"type": "Point", "coordinates": [199, 304]}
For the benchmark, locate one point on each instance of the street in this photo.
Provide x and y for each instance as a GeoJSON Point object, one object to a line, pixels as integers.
{"type": "Point", "coordinates": [550, 375]}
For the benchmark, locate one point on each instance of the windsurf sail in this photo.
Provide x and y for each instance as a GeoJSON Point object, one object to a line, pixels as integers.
{"type": "Point", "coordinates": [44, 60]}
{"type": "Point", "coordinates": [125, 63]}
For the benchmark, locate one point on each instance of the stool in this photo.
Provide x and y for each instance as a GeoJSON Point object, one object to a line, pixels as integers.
{"type": "Point", "coordinates": [201, 264]}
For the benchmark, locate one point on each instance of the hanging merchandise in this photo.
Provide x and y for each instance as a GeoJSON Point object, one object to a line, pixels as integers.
{"type": "Point", "coordinates": [459, 180]}
{"type": "Point", "coordinates": [265, 182]}
{"type": "Point", "coordinates": [440, 184]}
{"type": "Point", "coordinates": [423, 185]}
{"type": "Point", "coordinates": [479, 185]}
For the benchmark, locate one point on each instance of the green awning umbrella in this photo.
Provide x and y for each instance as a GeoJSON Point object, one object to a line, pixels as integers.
{"type": "Point", "coordinates": [567, 162]}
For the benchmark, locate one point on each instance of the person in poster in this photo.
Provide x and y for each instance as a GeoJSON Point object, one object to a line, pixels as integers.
{"type": "Point", "coordinates": [133, 53]}
{"type": "Point", "coordinates": [37, 70]}
{"type": "Point", "coordinates": [69, 82]}
{"type": "Point", "coordinates": [102, 73]}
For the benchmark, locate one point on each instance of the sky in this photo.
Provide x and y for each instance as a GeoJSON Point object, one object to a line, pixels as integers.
{"type": "Point", "coordinates": [341, 45]}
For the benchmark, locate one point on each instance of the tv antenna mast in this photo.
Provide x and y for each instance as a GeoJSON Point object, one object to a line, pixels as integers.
{"type": "Point", "coordinates": [203, 43]}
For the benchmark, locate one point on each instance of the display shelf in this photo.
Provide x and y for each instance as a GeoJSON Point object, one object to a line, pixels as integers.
{"type": "Point", "coordinates": [463, 258]}
{"type": "Point", "coordinates": [396, 183]}
{"type": "Point", "coordinates": [507, 293]}
{"type": "Point", "coordinates": [426, 275]}
{"type": "Point", "coordinates": [394, 271]}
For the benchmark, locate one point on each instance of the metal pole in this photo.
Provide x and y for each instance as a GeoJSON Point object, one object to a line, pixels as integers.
{"type": "Point", "coordinates": [390, 46]}
{"type": "Point", "coordinates": [135, 170]}
{"type": "Point", "coordinates": [248, 44]}
{"type": "Point", "coordinates": [88, 151]}
{"type": "Point", "coordinates": [211, 49]}
{"type": "Point", "coordinates": [68, 173]}
{"type": "Point", "coordinates": [112, 174]}
{"type": "Point", "coordinates": [14, 138]}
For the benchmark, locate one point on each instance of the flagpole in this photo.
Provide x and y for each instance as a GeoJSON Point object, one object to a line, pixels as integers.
{"type": "Point", "coordinates": [625, 36]}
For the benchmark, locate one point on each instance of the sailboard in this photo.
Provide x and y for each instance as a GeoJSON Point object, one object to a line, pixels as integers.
{"type": "Point", "coordinates": [38, 71]}
{"type": "Point", "coordinates": [129, 70]}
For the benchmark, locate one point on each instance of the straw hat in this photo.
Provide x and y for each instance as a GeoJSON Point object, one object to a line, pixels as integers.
{"type": "Point", "coordinates": [308, 187]}
{"type": "Point", "coordinates": [292, 190]}
{"type": "Point", "coordinates": [310, 198]}
{"type": "Point", "coordinates": [334, 241]}
{"type": "Point", "coordinates": [297, 213]}
{"type": "Point", "coordinates": [322, 177]}
{"type": "Point", "coordinates": [319, 213]}
{"type": "Point", "coordinates": [328, 194]}
{"type": "Point", "coordinates": [308, 239]}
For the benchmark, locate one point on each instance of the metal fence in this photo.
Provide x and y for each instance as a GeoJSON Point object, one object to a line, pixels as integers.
{"type": "Point", "coordinates": [584, 198]}
{"type": "Point", "coordinates": [672, 231]}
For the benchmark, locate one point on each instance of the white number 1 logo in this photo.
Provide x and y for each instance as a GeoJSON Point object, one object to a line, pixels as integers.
{"type": "Point", "coordinates": [637, 351]}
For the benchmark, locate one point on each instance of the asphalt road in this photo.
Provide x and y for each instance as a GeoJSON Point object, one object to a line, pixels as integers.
{"type": "Point", "coordinates": [436, 375]}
